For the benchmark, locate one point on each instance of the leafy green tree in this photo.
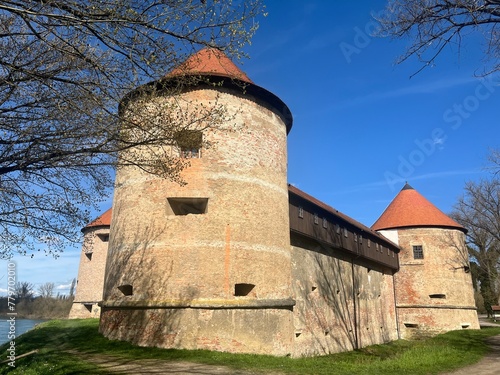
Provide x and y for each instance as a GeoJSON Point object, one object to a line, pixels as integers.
{"type": "Point", "coordinates": [65, 66]}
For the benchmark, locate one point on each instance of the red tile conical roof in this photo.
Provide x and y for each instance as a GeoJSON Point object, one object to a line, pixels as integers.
{"type": "Point", "coordinates": [101, 221]}
{"type": "Point", "coordinates": [410, 209]}
{"type": "Point", "coordinates": [209, 61]}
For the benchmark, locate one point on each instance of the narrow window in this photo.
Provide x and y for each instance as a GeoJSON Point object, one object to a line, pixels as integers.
{"type": "Point", "coordinates": [369, 243]}
{"type": "Point", "coordinates": [355, 237]}
{"type": "Point", "coordinates": [126, 289]}
{"type": "Point", "coordinates": [418, 252]}
{"type": "Point", "coordinates": [438, 295]}
{"type": "Point", "coordinates": [411, 325]}
{"type": "Point", "coordinates": [325, 223]}
{"type": "Point", "coordinates": [316, 219]}
{"type": "Point", "coordinates": [89, 255]}
{"type": "Point", "coordinates": [360, 239]}
{"type": "Point", "coordinates": [189, 143]}
{"type": "Point", "coordinates": [186, 206]}
{"type": "Point", "coordinates": [301, 212]}
{"type": "Point", "coordinates": [346, 233]}
{"type": "Point", "coordinates": [88, 306]}
{"type": "Point", "coordinates": [243, 289]}
{"type": "Point", "coordinates": [337, 228]}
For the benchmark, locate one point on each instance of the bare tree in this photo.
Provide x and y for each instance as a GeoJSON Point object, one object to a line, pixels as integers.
{"type": "Point", "coordinates": [46, 290]}
{"type": "Point", "coordinates": [479, 212]}
{"type": "Point", "coordinates": [494, 159]}
{"type": "Point", "coordinates": [65, 65]}
{"type": "Point", "coordinates": [24, 290]}
{"type": "Point", "coordinates": [432, 25]}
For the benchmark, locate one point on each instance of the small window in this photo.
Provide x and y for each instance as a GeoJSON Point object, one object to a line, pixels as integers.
{"type": "Point", "coordinates": [104, 237]}
{"type": "Point", "coordinates": [241, 290]}
{"type": "Point", "coordinates": [418, 252]}
{"type": "Point", "coordinates": [369, 243]}
{"type": "Point", "coordinates": [301, 212]}
{"type": "Point", "coordinates": [360, 239]}
{"type": "Point", "coordinates": [346, 233]}
{"type": "Point", "coordinates": [316, 219]}
{"type": "Point", "coordinates": [186, 206]}
{"type": "Point", "coordinates": [411, 325]}
{"type": "Point", "coordinates": [89, 255]}
{"type": "Point", "coordinates": [337, 228]}
{"type": "Point", "coordinates": [189, 143]}
{"type": "Point", "coordinates": [355, 237]}
{"type": "Point", "coordinates": [325, 223]}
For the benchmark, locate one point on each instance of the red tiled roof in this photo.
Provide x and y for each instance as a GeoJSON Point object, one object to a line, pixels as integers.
{"type": "Point", "coordinates": [335, 212]}
{"type": "Point", "coordinates": [209, 61]}
{"type": "Point", "coordinates": [410, 209]}
{"type": "Point", "coordinates": [103, 220]}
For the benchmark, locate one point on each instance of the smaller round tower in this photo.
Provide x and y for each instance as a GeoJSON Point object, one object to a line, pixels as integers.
{"type": "Point", "coordinates": [434, 292]}
{"type": "Point", "coordinates": [91, 270]}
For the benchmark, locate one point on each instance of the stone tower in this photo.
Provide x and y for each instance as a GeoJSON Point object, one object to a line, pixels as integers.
{"type": "Point", "coordinates": [207, 265]}
{"type": "Point", "coordinates": [91, 269]}
{"type": "Point", "coordinates": [433, 288]}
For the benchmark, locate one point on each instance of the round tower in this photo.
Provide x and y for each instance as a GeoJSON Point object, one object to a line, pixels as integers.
{"type": "Point", "coordinates": [90, 280]}
{"type": "Point", "coordinates": [434, 292]}
{"type": "Point", "coordinates": [206, 265]}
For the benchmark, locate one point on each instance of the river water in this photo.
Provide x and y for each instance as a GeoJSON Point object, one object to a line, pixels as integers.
{"type": "Point", "coordinates": [22, 325]}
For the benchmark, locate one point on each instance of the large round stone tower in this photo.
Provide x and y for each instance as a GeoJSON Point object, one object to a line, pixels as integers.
{"type": "Point", "coordinates": [206, 265]}
{"type": "Point", "coordinates": [433, 287]}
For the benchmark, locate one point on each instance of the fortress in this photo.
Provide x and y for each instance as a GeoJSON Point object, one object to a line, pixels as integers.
{"type": "Point", "coordinates": [237, 260]}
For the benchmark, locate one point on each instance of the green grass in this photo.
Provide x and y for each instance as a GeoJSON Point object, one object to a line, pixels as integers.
{"type": "Point", "coordinates": [58, 340]}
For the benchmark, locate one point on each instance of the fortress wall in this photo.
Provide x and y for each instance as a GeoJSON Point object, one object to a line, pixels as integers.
{"type": "Point", "coordinates": [258, 331]}
{"type": "Point", "coordinates": [340, 304]}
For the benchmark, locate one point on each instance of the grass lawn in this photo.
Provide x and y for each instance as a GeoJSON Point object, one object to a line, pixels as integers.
{"type": "Point", "coordinates": [60, 342]}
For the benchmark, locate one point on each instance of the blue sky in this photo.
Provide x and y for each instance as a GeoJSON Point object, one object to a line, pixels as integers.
{"type": "Point", "coordinates": [362, 127]}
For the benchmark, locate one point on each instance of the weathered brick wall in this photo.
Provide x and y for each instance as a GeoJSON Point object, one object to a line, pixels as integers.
{"type": "Point", "coordinates": [341, 304]}
{"type": "Point", "coordinates": [434, 294]}
{"type": "Point", "coordinates": [196, 259]}
{"type": "Point", "coordinates": [90, 274]}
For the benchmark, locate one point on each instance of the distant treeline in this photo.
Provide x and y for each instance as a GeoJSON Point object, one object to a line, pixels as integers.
{"type": "Point", "coordinates": [38, 307]}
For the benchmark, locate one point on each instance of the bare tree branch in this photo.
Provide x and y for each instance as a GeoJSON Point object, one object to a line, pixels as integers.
{"type": "Point", "coordinates": [432, 25]}
{"type": "Point", "coordinates": [65, 65]}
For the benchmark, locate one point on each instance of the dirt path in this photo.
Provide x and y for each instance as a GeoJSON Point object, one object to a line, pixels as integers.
{"type": "Point", "coordinates": [158, 366]}
{"type": "Point", "coordinates": [490, 364]}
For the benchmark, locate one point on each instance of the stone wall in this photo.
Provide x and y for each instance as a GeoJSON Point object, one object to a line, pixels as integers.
{"type": "Point", "coordinates": [341, 303]}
